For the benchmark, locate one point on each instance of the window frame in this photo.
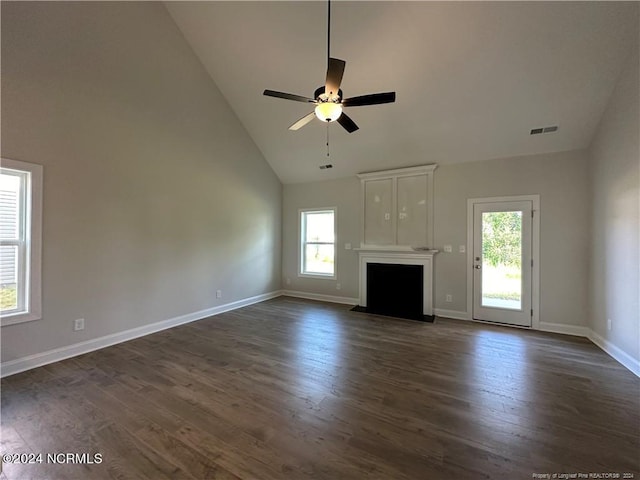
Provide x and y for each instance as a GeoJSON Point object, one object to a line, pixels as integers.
{"type": "Point", "coordinates": [29, 244]}
{"type": "Point", "coordinates": [302, 243]}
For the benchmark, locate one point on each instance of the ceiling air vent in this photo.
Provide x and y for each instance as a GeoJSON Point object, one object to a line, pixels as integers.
{"type": "Point", "coordinates": [539, 130]}
{"type": "Point", "coordinates": [324, 167]}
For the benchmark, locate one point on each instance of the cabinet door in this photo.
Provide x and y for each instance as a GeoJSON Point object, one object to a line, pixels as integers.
{"type": "Point", "coordinates": [378, 218]}
{"type": "Point", "coordinates": [412, 210]}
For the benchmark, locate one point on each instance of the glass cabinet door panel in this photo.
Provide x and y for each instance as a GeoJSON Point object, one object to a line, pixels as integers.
{"type": "Point", "coordinates": [378, 221]}
{"type": "Point", "coordinates": [412, 210]}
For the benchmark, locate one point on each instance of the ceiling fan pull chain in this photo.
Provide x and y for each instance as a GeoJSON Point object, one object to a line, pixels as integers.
{"type": "Point", "coordinates": [327, 139]}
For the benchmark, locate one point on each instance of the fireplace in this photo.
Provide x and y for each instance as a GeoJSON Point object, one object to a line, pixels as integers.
{"type": "Point", "coordinates": [397, 283]}
{"type": "Point", "coordinates": [395, 290]}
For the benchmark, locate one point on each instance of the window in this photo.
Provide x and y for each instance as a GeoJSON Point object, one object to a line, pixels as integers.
{"type": "Point", "coordinates": [317, 246]}
{"type": "Point", "coordinates": [20, 241]}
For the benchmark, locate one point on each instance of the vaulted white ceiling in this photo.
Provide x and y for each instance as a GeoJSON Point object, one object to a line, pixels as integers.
{"type": "Point", "coordinates": [472, 79]}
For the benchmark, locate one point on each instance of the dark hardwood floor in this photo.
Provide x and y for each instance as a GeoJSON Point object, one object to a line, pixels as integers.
{"type": "Point", "coordinates": [296, 389]}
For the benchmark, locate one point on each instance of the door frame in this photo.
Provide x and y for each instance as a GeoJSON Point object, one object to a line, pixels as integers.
{"type": "Point", "coordinates": [535, 252]}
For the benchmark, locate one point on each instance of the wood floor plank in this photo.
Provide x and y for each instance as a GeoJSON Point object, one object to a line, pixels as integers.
{"type": "Point", "coordinates": [297, 389]}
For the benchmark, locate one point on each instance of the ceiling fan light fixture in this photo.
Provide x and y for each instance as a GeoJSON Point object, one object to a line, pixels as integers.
{"type": "Point", "coordinates": [328, 111]}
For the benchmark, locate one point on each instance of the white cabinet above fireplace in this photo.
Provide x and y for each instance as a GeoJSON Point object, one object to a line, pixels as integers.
{"type": "Point", "coordinates": [397, 208]}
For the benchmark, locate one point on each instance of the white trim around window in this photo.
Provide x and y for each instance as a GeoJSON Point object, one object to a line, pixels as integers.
{"type": "Point", "coordinates": [28, 242]}
{"type": "Point", "coordinates": [303, 242]}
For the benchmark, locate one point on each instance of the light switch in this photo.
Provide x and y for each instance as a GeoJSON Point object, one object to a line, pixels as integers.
{"type": "Point", "coordinates": [347, 246]}
{"type": "Point", "coordinates": [462, 248]}
{"type": "Point", "coordinates": [448, 249]}
{"type": "Point", "coordinates": [387, 216]}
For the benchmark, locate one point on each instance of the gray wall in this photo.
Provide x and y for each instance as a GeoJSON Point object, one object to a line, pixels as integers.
{"type": "Point", "coordinates": [615, 218]}
{"type": "Point", "coordinates": [561, 181]}
{"type": "Point", "coordinates": [344, 194]}
{"type": "Point", "coordinates": [154, 194]}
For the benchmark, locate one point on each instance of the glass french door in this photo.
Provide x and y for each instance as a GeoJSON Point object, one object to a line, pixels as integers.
{"type": "Point", "coordinates": [502, 262]}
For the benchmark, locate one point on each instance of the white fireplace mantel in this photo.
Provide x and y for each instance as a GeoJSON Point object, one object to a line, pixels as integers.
{"type": "Point", "coordinates": [400, 257]}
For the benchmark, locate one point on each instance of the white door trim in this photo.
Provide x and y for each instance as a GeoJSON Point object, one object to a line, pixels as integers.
{"type": "Point", "coordinates": [535, 251]}
{"type": "Point", "coordinates": [523, 315]}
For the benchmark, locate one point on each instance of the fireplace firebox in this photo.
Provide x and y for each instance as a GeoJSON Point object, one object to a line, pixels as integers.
{"type": "Point", "coordinates": [395, 290]}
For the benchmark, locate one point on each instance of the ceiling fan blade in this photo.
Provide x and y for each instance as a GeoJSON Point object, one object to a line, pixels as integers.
{"type": "Point", "coordinates": [303, 121]}
{"type": "Point", "coordinates": [348, 124]}
{"type": "Point", "coordinates": [335, 71]}
{"type": "Point", "coordinates": [288, 96]}
{"type": "Point", "coordinates": [372, 99]}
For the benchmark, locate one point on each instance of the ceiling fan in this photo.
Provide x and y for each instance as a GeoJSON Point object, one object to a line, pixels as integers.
{"type": "Point", "coordinates": [328, 99]}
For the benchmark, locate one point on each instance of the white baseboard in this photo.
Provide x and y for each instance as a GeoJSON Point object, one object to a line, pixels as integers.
{"type": "Point", "coordinates": [321, 297]}
{"type": "Point", "coordinates": [455, 314]}
{"type": "Point", "coordinates": [622, 357]}
{"type": "Point", "coordinates": [39, 359]}
{"type": "Point", "coordinates": [575, 330]}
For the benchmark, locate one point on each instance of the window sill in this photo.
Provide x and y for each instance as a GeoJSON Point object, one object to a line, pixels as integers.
{"type": "Point", "coordinates": [16, 318]}
{"type": "Point", "coordinates": [318, 276]}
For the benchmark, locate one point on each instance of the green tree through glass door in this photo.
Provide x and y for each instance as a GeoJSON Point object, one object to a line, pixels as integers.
{"type": "Point", "coordinates": [502, 259]}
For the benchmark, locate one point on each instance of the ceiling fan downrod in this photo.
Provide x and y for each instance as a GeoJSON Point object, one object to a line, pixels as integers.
{"type": "Point", "coordinates": [328, 32]}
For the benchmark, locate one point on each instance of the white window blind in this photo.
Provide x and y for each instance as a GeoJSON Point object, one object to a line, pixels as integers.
{"type": "Point", "coordinates": [317, 243]}
{"type": "Point", "coordinates": [20, 227]}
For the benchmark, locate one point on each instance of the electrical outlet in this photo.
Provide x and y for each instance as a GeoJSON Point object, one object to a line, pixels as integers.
{"type": "Point", "coordinates": [449, 298]}
{"type": "Point", "coordinates": [78, 324]}
{"type": "Point", "coordinates": [338, 286]}
{"type": "Point", "coordinates": [287, 281]}
{"type": "Point", "coordinates": [347, 246]}
{"type": "Point", "coordinates": [218, 293]}
{"type": "Point", "coordinates": [462, 249]}
{"type": "Point", "coordinates": [609, 324]}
